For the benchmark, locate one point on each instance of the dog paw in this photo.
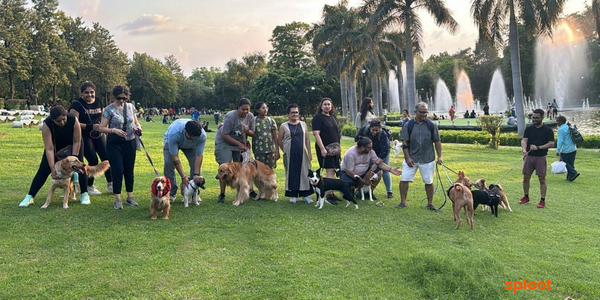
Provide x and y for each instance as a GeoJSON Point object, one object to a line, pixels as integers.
{"type": "Point", "coordinates": [44, 206]}
{"type": "Point", "coordinates": [153, 218]}
{"type": "Point", "coordinates": [165, 218]}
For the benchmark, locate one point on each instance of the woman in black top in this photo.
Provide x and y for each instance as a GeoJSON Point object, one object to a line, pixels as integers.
{"type": "Point", "coordinates": [59, 130]}
{"type": "Point", "coordinates": [326, 131]}
{"type": "Point", "coordinates": [88, 110]}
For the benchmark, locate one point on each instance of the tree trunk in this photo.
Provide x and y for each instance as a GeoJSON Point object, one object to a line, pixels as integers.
{"type": "Point", "coordinates": [401, 92]}
{"type": "Point", "coordinates": [352, 96]}
{"type": "Point", "coordinates": [11, 84]}
{"type": "Point", "coordinates": [515, 63]}
{"type": "Point", "coordinates": [344, 93]}
{"type": "Point", "coordinates": [596, 12]}
{"type": "Point", "coordinates": [410, 68]}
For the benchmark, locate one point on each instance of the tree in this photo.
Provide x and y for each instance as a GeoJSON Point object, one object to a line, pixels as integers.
{"type": "Point", "coordinates": [290, 47]}
{"type": "Point", "coordinates": [538, 16]}
{"type": "Point", "coordinates": [13, 42]}
{"type": "Point", "coordinates": [404, 13]}
{"type": "Point", "coordinates": [151, 82]}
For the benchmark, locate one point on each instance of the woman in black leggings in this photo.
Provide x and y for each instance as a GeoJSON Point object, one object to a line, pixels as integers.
{"type": "Point", "coordinates": [59, 130]}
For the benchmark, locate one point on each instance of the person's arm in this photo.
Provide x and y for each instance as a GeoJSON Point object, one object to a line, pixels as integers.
{"type": "Point", "coordinates": [306, 140]}
{"type": "Point", "coordinates": [76, 138]}
{"type": "Point", "coordinates": [317, 134]}
{"type": "Point", "coordinates": [76, 114]}
{"type": "Point", "coordinates": [524, 146]}
{"type": "Point", "coordinates": [49, 147]}
{"type": "Point", "coordinates": [438, 150]}
{"type": "Point", "coordinates": [275, 141]}
{"type": "Point", "coordinates": [280, 137]}
{"type": "Point", "coordinates": [200, 153]}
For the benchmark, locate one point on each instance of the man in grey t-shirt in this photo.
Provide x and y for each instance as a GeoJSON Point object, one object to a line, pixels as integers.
{"type": "Point", "coordinates": [418, 146]}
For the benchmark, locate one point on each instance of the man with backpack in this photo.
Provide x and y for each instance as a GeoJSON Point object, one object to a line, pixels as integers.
{"type": "Point", "coordinates": [419, 138]}
{"type": "Point", "coordinates": [566, 148]}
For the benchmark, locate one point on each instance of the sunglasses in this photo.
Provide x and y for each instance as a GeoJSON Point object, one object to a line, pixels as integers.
{"type": "Point", "coordinates": [121, 98]}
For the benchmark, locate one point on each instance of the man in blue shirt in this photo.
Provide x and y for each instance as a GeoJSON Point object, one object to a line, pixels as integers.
{"type": "Point", "coordinates": [185, 135]}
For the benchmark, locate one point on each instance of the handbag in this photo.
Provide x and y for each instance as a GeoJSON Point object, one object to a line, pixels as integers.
{"type": "Point", "coordinates": [64, 152]}
{"type": "Point", "coordinates": [559, 167]}
{"type": "Point", "coordinates": [113, 138]}
{"type": "Point", "coordinates": [334, 149]}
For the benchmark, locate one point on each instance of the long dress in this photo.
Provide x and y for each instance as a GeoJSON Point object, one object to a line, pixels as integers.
{"type": "Point", "coordinates": [329, 133]}
{"type": "Point", "coordinates": [296, 160]}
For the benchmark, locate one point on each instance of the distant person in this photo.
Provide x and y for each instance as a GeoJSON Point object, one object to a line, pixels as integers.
{"type": "Point", "coordinates": [554, 108]}
{"type": "Point", "coordinates": [264, 141]}
{"type": "Point", "coordinates": [466, 115]}
{"type": "Point", "coordinates": [327, 131]}
{"type": "Point", "coordinates": [565, 148]}
{"type": "Point", "coordinates": [216, 115]}
{"type": "Point", "coordinates": [537, 139]}
{"type": "Point", "coordinates": [512, 121]}
{"type": "Point", "coordinates": [452, 113]}
{"type": "Point", "coordinates": [195, 115]}
{"type": "Point", "coordinates": [473, 115]}
{"type": "Point", "coordinates": [365, 113]}
{"type": "Point", "coordinates": [405, 117]}
{"type": "Point", "coordinates": [486, 110]}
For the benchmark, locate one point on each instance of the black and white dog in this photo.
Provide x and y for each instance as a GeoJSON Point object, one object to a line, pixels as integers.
{"type": "Point", "coordinates": [322, 185]}
{"type": "Point", "coordinates": [368, 189]}
{"type": "Point", "coordinates": [190, 192]}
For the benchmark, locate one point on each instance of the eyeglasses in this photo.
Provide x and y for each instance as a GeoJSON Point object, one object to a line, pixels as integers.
{"type": "Point", "coordinates": [537, 118]}
{"type": "Point", "coordinates": [423, 112]}
{"type": "Point", "coordinates": [121, 98]}
{"type": "Point", "coordinates": [264, 108]}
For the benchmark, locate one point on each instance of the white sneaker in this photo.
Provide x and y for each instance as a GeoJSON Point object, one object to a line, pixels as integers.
{"type": "Point", "coordinates": [293, 200]}
{"type": "Point", "coordinates": [307, 200]}
{"type": "Point", "coordinates": [28, 200]}
{"type": "Point", "coordinates": [109, 188]}
{"type": "Point", "coordinates": [92, 190]}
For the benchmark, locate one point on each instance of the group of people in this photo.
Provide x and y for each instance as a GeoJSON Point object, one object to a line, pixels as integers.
{"type": "Point", "coordinates": [110, 133]}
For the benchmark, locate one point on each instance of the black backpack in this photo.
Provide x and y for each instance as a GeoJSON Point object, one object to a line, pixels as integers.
{"type": "Point", "coordinates": [411, 124]}
{"type": "Point", "coordinates": [362, 131]}
{"type": "Point", "coordinates": [575, 134]}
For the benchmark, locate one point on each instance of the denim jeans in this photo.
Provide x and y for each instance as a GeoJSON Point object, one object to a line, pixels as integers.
{"type": "Point", "coordinates": [569, 159]}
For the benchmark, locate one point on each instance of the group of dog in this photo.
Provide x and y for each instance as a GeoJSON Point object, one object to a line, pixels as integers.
{"type": "Point", "coordinates": [243, 176]}
{"type": "Point", "coordinates": [462, 196]}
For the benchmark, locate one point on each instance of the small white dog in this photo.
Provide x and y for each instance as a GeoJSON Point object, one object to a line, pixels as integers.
{"type": "Point", "coordinates": [367, 189]}
{"type": "Point", "coordinates": [190, 192]}
{"type": "Point", "coordinates": [397, 146]}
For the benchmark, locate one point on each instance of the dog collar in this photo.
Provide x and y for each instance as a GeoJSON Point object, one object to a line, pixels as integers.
{"type": "Point", "coordinates": [193, 185]}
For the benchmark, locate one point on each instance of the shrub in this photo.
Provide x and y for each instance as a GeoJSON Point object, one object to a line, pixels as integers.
{"type": "Point", "coordinates": [491, 124]}
{"type": "Point", "coordinates": [349, 130]}
{"type": "Point", "coordinates": [1, 103]}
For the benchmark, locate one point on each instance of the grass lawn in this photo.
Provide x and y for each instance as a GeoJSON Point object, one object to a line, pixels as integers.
{"type": "Point", "coordinates": [267, 250]}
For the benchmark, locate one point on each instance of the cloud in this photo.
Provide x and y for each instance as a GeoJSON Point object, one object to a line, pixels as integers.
{"type": "Point", "coordinates": [150, 24]}
{"type": "Point", "coordinates": [88, 9]}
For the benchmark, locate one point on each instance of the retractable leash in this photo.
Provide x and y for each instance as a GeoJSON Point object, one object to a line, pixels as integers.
{"type": "Point", "coordinates": [147, 155]}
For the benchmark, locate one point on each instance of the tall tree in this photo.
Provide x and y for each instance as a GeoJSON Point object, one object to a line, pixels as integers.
{"type": "Point", "coordinates": [404, 14]}
{"type": "Point", "coordinates": [151, 82]}
{"type": "Point", "coordinates": [291, 49]}
{"type": "Point", "coordinates": [111, 65]}
{"type": "Point", "coordinates": [538, 16]}
{"type": "Point", "coordinates": [14, 38]}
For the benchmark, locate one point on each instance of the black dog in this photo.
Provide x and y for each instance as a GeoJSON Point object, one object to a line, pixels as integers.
{"type": "Point", "coordinates": [322, 185]}
{"type": "Point", "coordinates": [487, 197]}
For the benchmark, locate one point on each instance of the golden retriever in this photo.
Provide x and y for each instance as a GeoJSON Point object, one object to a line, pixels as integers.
{"type": "Point", "coordinates": [64, 169]}
{"type": "Point", "coordinates": [461, 196]}
{"type": "Point", "coordinates": [243, 178]}
{"type": "Point", "coordinates": [159, 192]}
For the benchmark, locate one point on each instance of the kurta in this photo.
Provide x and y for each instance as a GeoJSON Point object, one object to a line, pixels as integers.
{"type": "Point", "coordinates": [296, 160]}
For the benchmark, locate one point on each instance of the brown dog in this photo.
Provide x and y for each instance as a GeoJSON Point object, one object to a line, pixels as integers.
{"type": "Point", "coordinates": [461, 197]}
{"type": "Point", "coordinates": [243, 178]}
{"type": "Point", "coordinates": [159, 190]}
{"type": "Point", "coordinates": [64, 170]}
{"type": "Point", "coordinates": [496, 188]}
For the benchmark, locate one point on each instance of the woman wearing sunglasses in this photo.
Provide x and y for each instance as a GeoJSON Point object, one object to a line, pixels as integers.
{"type": "Point", "coordinates": [122, 124]}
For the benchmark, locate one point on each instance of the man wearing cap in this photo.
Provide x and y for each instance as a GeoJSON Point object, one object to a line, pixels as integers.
{"type": "Point", "coordinates": [185, 135]}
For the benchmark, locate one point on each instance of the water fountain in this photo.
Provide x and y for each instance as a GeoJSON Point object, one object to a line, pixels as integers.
{"type": "Point", "coordinates": [560, 67]}
{"type": "Point", "coordinates": [497, 98]}
{"type": "Point", "coordinates": [443, 99]}
{"type": "Point", "coordinates": [464, 96]}
{"type": "Point", "coordinates": [393, 94]}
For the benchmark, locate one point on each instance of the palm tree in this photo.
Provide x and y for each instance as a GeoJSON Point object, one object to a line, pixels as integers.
{"type": "Point", "coordinates": [404, 14]}
{"type": "Point", "coordinates": [330, 47]}
{"type": "Point", "coordinates": [538, 17]}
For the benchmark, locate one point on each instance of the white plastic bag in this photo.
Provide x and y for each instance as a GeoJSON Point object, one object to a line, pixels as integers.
{"type": "Point", "coordinates": [559, 167]}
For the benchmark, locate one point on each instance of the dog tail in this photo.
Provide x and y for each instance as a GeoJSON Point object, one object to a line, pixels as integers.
{"type": "Point", "coordinates": [97, 170]}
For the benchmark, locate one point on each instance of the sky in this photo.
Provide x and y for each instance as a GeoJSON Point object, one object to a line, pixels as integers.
{"type": "Point", "coordinates": [209, 33]}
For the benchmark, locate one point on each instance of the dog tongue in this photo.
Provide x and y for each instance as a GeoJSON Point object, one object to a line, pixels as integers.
{"type": "Point", "coordinates": [80, 171]}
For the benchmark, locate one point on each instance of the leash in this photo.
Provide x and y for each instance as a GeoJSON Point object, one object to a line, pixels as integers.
{"type": "Point", "coordinates": [147, 155]}
{"type": "Point", "coordinates": [514, 165]}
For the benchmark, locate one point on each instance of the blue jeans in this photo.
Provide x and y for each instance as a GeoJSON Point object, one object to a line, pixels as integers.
{"type": "Point", "coordinates": [569, 159]}
{"type": "Point", "coordinates": [387, 177]}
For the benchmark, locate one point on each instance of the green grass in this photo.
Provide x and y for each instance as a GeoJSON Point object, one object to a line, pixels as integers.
{"type": "Point", "coordinates": [266, 250]}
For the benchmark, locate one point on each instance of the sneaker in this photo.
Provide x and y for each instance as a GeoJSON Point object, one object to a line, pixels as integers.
{"type": "Point", "coordinates": [93, 190]}
{"type": "Point", "coordinates": [252, 194]}
{"type": "Point", "coordinates": [109, 187]}
{"type": "Point", "coordinates": [118, 204]}
{"type": "Point", "coordinates": [131, 202]}
{"type": "Point", "coordinates": [574, 177]}
{"type": "Point", "coordinates": [431, 207]}
{"type": "Point", "coordinates": [85, 199]}
{"type": "Point", "coordinates": [172, 199]}
{"type": "Point", "coordinates": [332, 199]}
{"type": "Point", "coordinates": [401, 205]}
{"type": "Point", "coordinates": [293, 200]}
{"type": "Point", "coordinates": [524, 200]}
{"type": "Point", "coordinates": [542, 204]}
{"type": "Point", "coordinates": [390, 195]}
{"type": "Point", "coordinates": [28, 200]}
{"type": "Point", "coordinates": [307, 200]}
{"type": "Point", "coordinates": [374, 197]}
{"type": "Point", "coordinates": [221, 198]}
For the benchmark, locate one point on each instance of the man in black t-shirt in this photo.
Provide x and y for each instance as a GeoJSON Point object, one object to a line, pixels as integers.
{"type": "Point", "coordinates": [535, 143]}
